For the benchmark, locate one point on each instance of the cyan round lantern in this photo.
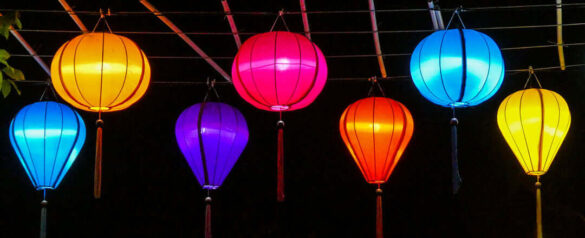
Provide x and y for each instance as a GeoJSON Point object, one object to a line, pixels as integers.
{"type": "Point", "coordinates": [457, 68]}
{"type": "Point", "coordinates": [47, 137]}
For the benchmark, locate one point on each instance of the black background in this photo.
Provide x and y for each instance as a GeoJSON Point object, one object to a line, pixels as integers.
{"type": "Point", "coordinates": [149, 190]}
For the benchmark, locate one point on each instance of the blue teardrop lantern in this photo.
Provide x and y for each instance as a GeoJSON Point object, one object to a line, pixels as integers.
{"type": "Point", "coordinates": [211, 135]}
{"type": "Point", "coordinates": [457, 68]}
{"type": "Point", "coordinates": [47, 137]}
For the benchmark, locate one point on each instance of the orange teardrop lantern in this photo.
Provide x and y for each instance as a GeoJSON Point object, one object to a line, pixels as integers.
{"type": "Point", "coordinates": [100, 72]}
{"type": "Point", "coordinates": [376, 130]}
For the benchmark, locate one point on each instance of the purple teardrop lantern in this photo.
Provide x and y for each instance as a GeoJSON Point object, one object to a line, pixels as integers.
{"type": "Point", "coordinates": [212, 136]}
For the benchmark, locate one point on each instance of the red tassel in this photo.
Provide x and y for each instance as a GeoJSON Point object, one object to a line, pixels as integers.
{"type": "Point", "coordinates": [97, 182]}
{"type": "Point", "coordinates": [208, 217]}
{"type": "Point", "coordinates": [280, 163]}
{"type": "Point", "coordinates": [379, 223]}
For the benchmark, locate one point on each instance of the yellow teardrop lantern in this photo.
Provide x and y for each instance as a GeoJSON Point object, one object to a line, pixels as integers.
{"type": "Point", "coordinates": [100, 72]}
{"type": "Point", "coordinates": [534, 122]}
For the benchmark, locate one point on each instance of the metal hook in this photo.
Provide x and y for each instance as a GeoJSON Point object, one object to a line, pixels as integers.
{"type": "Point", "coordinates": [457, 12]}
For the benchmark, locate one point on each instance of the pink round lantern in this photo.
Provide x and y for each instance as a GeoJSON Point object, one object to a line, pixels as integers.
{"type": "Point", "coordinates": [279, 71]}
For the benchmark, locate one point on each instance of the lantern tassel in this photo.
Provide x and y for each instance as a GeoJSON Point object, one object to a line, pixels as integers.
{"type": "Point", "coordinates": [455, 176]}
{"type": "Point", "coordinates": [280, 162]}
{"type": "Point", "coordinates": [379, 221]}
{"type": "Point", "coordinates": [97, 183]}
{"type": "Point", "coordinates": [208, 217]}
{"type": "Point", "coordinates": [538, 208]}
{"type": "Point", "coordinates": [44, 218]}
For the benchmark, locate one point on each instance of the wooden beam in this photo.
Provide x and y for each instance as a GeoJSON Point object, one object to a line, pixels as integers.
{"type": "Point", "coordinates": [185, 38]}
{"type": "Point", "coordinates": [30, 50]}
{"type": "Point", "coordinates": [305, 19]}
{"type": "Point", "coordinates": [377, 38]}
{"type": "Point", "coordinates": [560, 34]}
{"type": "Point", "coordinates": [436, 16]}
{"type": "Point", "coordinates": [230, 18]}
{"type": "Point", "coordinates": [73, 16]}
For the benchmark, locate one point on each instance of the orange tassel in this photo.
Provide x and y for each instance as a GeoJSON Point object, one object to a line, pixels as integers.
{"type": "Point", "coordinates": [97, 183]}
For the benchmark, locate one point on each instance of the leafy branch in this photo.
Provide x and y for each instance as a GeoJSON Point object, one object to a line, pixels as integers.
{"type": "Point", "coordinates": [9, 74]}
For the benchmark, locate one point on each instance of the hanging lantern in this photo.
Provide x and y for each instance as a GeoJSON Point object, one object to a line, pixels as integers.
{"type": "Point", "coordinates": [47, 137]}
{"type": "Point", "coordinates": [211, 136]}
{"type": "Point", "coordinates": [457, 68]}
{"type": "Point", "coordinates": [279, 71]}
{"type": "Point", "coordinates": [100, 72]}
{"type": "Point", "coordinates": [534, 122]}
{"type": "Point", "coordinates": [376, 130]}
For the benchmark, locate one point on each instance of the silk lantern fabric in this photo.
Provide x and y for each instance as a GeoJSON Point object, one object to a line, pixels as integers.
{"type": "Point", "coordinates": [457, 67]}
{"type": "Point", "coordinates": [212, 136]}
{"type": "Point", "coordinates": [376, 131]}
{"type": "Point", "coordinates": [534, 122]}
{"type": "Point", "coordinates": [100, 72]}
{"type": "Point", "coordinates": [279, 71]}
{"type": "Point", "coordinates": [47, 137]}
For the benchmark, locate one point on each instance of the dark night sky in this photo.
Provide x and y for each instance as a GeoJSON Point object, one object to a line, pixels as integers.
{"type": "Point", "coordinates": [149, 190]}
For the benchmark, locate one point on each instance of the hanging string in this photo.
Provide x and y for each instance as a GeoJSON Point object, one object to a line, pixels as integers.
{"type": "Point", "coordinates": [280, 16]}
{"type": "Point", "coordinates": [280, 160]}
{"type": "Point", "coordinates": [375, 84]}
{"type": "Point", "coordinates": [538, 208]}
{"type": "Point", "coordinates": [211, 89]}
{"type": "Point", "coordinates": [455, 175]}
{"type": "Point", "coordinates": [379, 214]}
{"type": "Point", "coordinates": [44, 203]}
{"type": "Point", "coordinates": [530, 74]}
{"type": "Point", "coordinates": [208, 215]}
{"type": "Point", "coordinates": [457, 13]}
{"type": "Point", "coordinates": [103, 17]}
{"type": "Point", "coordinates": [97, 189]}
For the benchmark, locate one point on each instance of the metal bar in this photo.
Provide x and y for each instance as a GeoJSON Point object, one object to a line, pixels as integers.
{"type": "Point", "coordinates": [30, 50]}
{"type": "Point", "coordinates": [560, 34]}
{"type": "Point", "coordinates": [73, 16]}
{"type": "Point", "coordinates": [431, 5]}
{"type": "Point", "coordinates": [230, 18]}
{"type": "Point", "coordinates": [187, 40]}
{"type": "Point", "coordinates": [377, 38]}
{"type": "Point", "coordinates": [305, 19]}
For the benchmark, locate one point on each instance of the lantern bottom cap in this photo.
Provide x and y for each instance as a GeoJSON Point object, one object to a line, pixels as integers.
{"type": "Point", "coordinates": [99, 108]}
{"type": "Point", "coordinates": [459, 104]}
{"type": "Point", "coordinates": [211, 187]}
{"type": "Point", "coordinates": [376, 181]}
{"type": "Point", "coordinates": [536, 173]}
{"type": "Point", "coordinates": [279, 108]}
{"type": "Point", "coordinates": [44, 188]}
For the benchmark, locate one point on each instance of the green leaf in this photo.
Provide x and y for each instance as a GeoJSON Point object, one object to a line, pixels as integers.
{"type": "Point", "coordinates": [1, 78]}
{"type": "Point", "coordinates": [5, 88]}
{"type": "Point", "coordinates": [13, 73]}
{"type": "Point", "coordinates": [4, 30]}
{"type": "Point", "coordinates": [18, 23]}
{"type": "Point", "coordinates": [4, 55]}
{"type": "Point", "coordinates": [14, 86]}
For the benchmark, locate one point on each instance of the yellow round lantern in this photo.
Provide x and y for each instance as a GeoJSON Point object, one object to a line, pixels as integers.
{"type": "Point", "coordinates": [534, 122]}
{"type": "Point", "coordinates": [100, 72]}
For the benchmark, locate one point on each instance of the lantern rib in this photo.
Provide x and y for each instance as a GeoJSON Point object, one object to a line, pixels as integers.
{"type": "Point", "coordinates": [545, 167]}
{"type": "Point", "coordinates": [102, 72]}
{"type": "Point", "coordinates": [521, 159]}
{"type": "Point", "coordinates": [143, 65]}
{"type": "Point", "coordinates": [274, 68]}
{"type": "Point", "coordinates": [488, 72]}
{"type": "Point", "coordinates": [59, 69]}
{"type": "Point", "coordinates": [350, 145]}
{"type": "Point", "coordinates": [441, 67]}
{"type": "Point", "coordinates": [45, 145]}
{"type": "Point", "coordinates": [21, 156]}
{"type": "Point", "coordinates": [60, 175]}
{"type": "Point", "coordinates": [218, 145]}
{"type": "Point", "coordinates": [88, 104]}
{"type": "Point", "coordinates": [541, 134]}
{"type": "Point", "coordinates": [377, 38]}
{"type": "Point", "coordinates": [315, 74]}
{"type": "Point", "coordinates": [202, 144]}
{"type": "Point", "coordinates": [305, 19]}
{"type": "Point", "coordinates": [384, 169]}
{"type": "Point", "coordinates": [185, 38]}
{"type": "Point", "coordinates": [421, 74]}
{"type": "Point", "coordinates": [264, 101]}
{"type": "Point", "coordinates": [400, 148]}
{"type": "Point", "coordinates": [523, 132]}
{"type": "Point", "coordinates": [463, 65]}
{"type": "Point", "coordinates": [125, 72]}
{"type": "Point", "coordinates": [374, 137]}
{"type": "Point", "coordinates": [28, 148]}
{"type": "Point", "coordinates": [230, 18]}
{"type": "Point", "coordinates": [191, 157]}
{"type": "Point", "coordinates": [300, 69]}
{"type": "Point", "coordinates": [58, 143]}
{"type": "Point", "coordinates": [363, 159]}
{"type": "Point", "coordinates": [223, 174]}
{"type": "Point", "coordinates": [566, 129]}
